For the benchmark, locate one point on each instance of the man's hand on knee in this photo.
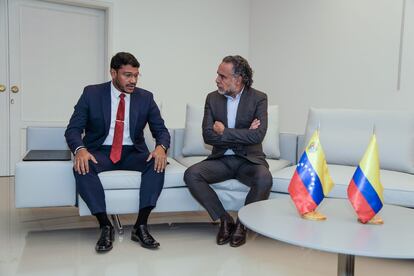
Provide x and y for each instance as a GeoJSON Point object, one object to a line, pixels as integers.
{"type": "Point", "coordinates": [160, 158]}
{"type": "Point", "coordinates": [81, 162]}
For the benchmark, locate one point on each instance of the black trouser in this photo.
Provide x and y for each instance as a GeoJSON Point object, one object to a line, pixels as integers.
{"type": "Point", "coordinates": [199, 177]}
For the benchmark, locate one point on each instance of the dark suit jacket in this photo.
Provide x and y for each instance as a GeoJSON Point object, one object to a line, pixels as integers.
{"type": "Point", "coordinates": [243, 141]}
{"type": "Point", "coordinates": [93, 115]}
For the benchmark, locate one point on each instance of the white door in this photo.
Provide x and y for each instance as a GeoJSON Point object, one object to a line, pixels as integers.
{"type": "Point", "coordinates": [54, 51]}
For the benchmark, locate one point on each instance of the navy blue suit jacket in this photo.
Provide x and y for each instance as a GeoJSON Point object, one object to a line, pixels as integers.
{"type": "Point", "coordinates": [92, 115]}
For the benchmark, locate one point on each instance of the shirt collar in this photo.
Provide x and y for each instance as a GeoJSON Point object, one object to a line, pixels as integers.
{"type": "Point", "coordinates": [115, 92]}
{"type": "Point", "coordinates": [237, 96]}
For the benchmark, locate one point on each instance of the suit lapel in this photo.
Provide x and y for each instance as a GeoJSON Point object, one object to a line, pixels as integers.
{"type": "Point", "coordinates": [133, 111]}
{"type": "Point", "coordinates": [241, 107]}
{"type": "Point", "coordinates": [106, 106]}
{"type": "Point", "coordinates": [223, 109]}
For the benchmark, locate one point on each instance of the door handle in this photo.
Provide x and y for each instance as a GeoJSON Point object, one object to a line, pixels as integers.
{"type": "Point", "coordinates": [14, 89]}
{"type": "Point", "coordinates": [2, 88]}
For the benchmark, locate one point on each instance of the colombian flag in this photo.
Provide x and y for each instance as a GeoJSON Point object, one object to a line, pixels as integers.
{"type": "Point", "coordinates": [365, 191]}
{"type": "Point", "coordinates": [311, 181]}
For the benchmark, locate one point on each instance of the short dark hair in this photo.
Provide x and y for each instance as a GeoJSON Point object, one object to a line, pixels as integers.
{"type": "Point", "coordinates": [241, 68]}
{"type": "Point", "coordinates": [123, 58]}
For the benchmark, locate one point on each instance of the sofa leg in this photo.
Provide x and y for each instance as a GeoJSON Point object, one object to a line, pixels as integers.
{"type": "Point", "coordinates": [118, 224]}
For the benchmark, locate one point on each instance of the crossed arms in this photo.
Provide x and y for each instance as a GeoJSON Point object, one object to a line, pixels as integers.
{"type": "Point", "coordinates": [215, 133]}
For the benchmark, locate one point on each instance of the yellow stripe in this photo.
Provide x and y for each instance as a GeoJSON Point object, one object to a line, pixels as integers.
{"type": "Point", "coordinates": [316, 157]}
{"type": "Point", "coordinates": [370, 166]}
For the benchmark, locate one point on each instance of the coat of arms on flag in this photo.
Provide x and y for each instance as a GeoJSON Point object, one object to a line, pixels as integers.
{"type": "Point", "coordinates": [311, 181]}
{"type": "Point", "coordinates": [365, 191]}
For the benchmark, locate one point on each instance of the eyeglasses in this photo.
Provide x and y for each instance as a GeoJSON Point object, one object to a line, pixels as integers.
{"type": "Point", "coordinates": [130, 75]}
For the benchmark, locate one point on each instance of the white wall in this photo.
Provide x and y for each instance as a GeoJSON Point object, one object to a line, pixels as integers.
{"type": "Point", "coordinates": [180, 45]}
{"type": "Point", "coordinates": [407, 73]}
{"type": "Point", "coordinates": [323, 53]}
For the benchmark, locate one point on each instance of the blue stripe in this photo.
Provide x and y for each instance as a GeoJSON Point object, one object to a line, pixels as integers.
{"type": "Point", "coordinates": [314, 188]}
{"type": "Point", "coordinates": [366, 189]}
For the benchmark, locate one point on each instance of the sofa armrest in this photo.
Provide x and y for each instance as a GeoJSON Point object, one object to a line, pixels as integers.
{"type": "Point", "coordinates": [44, 184]}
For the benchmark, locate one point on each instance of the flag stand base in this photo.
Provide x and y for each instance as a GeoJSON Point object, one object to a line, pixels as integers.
{"type": "Point", "coordinates": [376, 220]}
{"type": "Point", "coordinates": [314, 215]}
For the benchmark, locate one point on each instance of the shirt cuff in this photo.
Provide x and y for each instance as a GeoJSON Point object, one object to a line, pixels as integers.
{"type": "Point", "coordinates": [163, 147]}
{"type": "Point", "coordinates": [78, 148]}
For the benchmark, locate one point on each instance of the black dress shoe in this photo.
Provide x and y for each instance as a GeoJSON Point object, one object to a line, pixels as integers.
{"type": "Point", "coordinates": [239, 236]}
{"type": "Point", "coordinates": [225, 231]}
{"type": "Point", "coordinates": [104, 243]}
{"type": "Point", "coordinates": [142, 236]}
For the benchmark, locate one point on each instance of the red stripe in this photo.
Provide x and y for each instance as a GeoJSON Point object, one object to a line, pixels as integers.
{"type": "Point", "coordinates": [300, 195]}
{"type": "Point", "coordinates": [360, 204]}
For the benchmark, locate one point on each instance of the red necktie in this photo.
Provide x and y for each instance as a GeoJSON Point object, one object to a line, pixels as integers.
{"type": "Point", "coordinates": [116, 148]}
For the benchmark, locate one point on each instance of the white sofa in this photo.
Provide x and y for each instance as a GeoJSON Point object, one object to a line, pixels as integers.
{"type": "Point", "coordinates": [51, 183]}
{"type": "Point", "coordinates": [345, 134]}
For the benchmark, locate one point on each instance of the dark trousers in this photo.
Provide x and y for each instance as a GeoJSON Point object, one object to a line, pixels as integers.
{"type": "Point", "coordinates": [90, 187]}
{"type": "Point", "coordinates": [199, 177]}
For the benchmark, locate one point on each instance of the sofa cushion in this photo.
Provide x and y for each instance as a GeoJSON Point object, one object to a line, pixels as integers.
{"type": "Point", "coordinates": [190, 160]}
{"type": "Point", "coordinates": [113, 180]}
{"type": "Point", "coordinates": [398, 186]}
{"type": "Point", "coordinates": [271, 141]}
{"type": "Point", "coordinates": [193, 138]}
{"type": "Point", "coordinates": [276, 165]}
{"type": "Point", "coordinates": [345, 134]}
{"type": "Point", "coordinates": [231, 185]}
{"type": "Point", "coordinates": [193, 135]}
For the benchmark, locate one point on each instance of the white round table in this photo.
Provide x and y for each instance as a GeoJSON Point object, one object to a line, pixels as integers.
{"type": "Point", "coordinates": [340, 233]}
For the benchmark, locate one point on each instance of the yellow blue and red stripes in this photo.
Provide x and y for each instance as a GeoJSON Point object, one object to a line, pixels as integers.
{"type": "Point", "coordinates": [311, 181]}
{"type": "Point", "coordinates": [365, 191]}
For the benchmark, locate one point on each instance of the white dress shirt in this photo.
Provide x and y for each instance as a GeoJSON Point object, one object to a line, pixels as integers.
{"type": "Point", "coordinates": [114, 109]}
{"type": "Point", "coordinates": [232, 106]}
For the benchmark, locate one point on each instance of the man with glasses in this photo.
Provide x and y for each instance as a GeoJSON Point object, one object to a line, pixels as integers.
{"type": "Point", "coordinates": [113, 116]}
{"type": "Point", "coordinates": [235, 124]}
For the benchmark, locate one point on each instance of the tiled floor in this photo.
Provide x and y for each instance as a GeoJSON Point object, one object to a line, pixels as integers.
{"type": "Point", "coordinates": [56, 241]}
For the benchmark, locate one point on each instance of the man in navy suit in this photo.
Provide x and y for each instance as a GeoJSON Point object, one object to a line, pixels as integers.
{"type": "Point", "coordinates": [112, 116]}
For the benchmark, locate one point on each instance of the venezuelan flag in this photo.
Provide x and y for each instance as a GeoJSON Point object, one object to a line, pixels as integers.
{"type": "Point", "coordinates": [311, 181]}
{"type": "Point", "coordinates": [365, 191]}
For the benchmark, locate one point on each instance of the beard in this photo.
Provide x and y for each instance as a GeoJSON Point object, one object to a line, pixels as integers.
{"type": "Point", "coordinates": [230, 92]}
{"type": "Point", "coordinates": [118, 86]}
{"type": "Point", "coordinates": [123, 88]}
